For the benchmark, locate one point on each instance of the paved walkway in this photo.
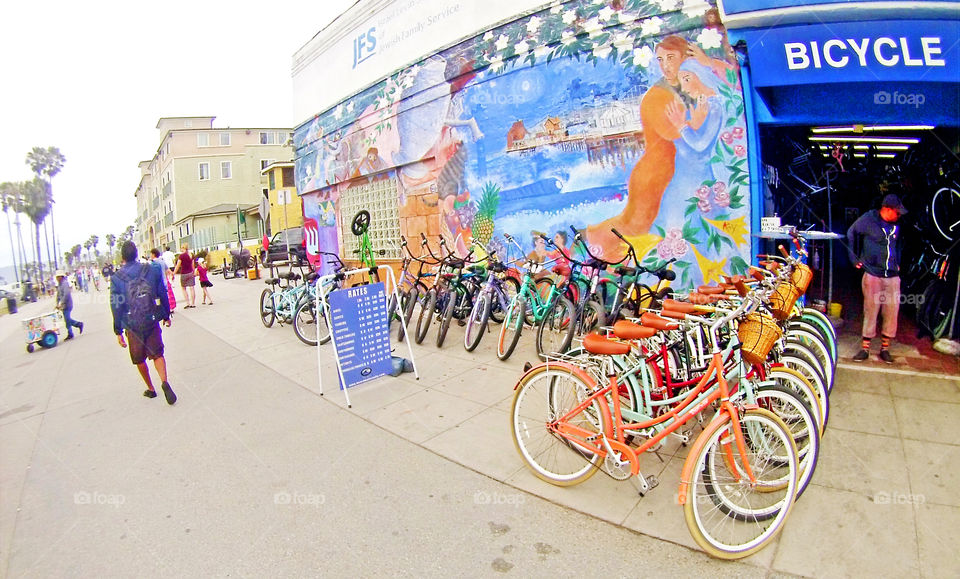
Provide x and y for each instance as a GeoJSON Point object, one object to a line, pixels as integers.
{"type": "Point", "coordinates": [253, 473]}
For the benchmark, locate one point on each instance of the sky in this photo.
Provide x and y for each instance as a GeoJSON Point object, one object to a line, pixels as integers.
{"type": "Point", "coordinates": [93, 78]}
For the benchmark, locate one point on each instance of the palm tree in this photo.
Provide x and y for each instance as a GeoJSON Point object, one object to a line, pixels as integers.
{"type": "Point", "coordinates": [94, 240]}
{"type": "Point", "coordinates": [9, 197]}
{"type": "Point", "coordinates": [87, 245]}
{"type": "Point", "coordinates": [37, 202]}
{"type": "Point", "coordinates": [75, 250]}
{"type": "Point", "coordinates": [46, 163]}
{"type": "Point", "coordinates": [68, 258]}
{"type": "Point", "coordinates": [111, 241]}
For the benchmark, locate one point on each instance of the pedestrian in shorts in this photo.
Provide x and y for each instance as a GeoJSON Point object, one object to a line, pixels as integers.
{"type": "Point", "coordinates": [188, 277]}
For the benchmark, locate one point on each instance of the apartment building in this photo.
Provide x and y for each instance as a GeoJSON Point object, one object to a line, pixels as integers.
{"type": "Point", "coordinates": [286, 209]}
{"type": "Point", "coordinates": [198, 167]}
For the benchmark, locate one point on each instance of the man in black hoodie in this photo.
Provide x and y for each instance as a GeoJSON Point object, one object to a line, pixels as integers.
{"type": "Point", "coordinates": [873, 243]}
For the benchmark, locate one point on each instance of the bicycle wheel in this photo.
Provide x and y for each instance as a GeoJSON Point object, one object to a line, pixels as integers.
{"type": "Point", "coordinates": [511, 287]}
{"type": "Point", "coordinates": [477, 322]}
{"type": "Point", "coordinates": [815, 344]}
{"type": "Point", "coordinates": [800, 418]}
{"type": "Point", "coordinates": [716, 467]}
{"type": "Point", "coordinates": [555, 330]}
{"type": "Point", "coordinates": [812, 369]}
{"type": "Point", "coordinates": [511, 328]}
{"type": "Point", "coordinates": [267, 314]}
{"type": "Point", "coordinates": [823, 322]}
{"type": "Point", "coordinates": [593, 318]}
{"type": "Point", "coordinates": [794, 380]}
{"type": "Point", "coordinates": [453, 298]}
{"type": "Point", "coordinates": [542, 397]}
{"type": "Point", "coordinates": [816, 331]}
{"type": "Point", "coordinates": [427, 306]}
{"type": "Point", "coordinates": [945, 211]}
{"type": "Point", "coordinates": [304, 323]}
{"type": "Point", "coordinates": [408, 300]}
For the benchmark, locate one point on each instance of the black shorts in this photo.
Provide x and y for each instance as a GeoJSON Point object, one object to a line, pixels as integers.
{"type": "Point", "coordinates": [143, 346]}
{"type": "Point", "coordinates": [206, 283]}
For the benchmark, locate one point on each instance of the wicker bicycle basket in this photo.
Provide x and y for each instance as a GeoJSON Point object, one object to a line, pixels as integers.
{"type": "Point", "coordinates": [801, 277]}
{"type": "Point", "coordinates": [783, 299]}
{"type": "Point", "coordinates": [757, 335]}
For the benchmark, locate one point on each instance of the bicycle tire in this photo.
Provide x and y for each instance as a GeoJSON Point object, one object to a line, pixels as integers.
{"type": "Point", "coordinates": [453, 299]}
{"type": "Point", "coordinates": [798, 357]}
{"type": "Point", "coordinates": [698, 501]}
{"type": "Point", "coordinates": [477, 322]}
{"type": "Point", "coordinates": [797, 382]}
{"type": "Point", "coordinates": [804, 352]}
{"type": "Point", "coordinates": [592, 318]}
{"type": "Point", "coordinates": [427, 306]}
{"type": "Point", "coordinates": [409, 300]}
{"type": "Point", "coordinates": [816, 331]}
{"type": "Point", "coordinates": [267, 313]}
{"type": "Point", "coordinates": [511, 287]}
{"type": "Point", "coordinates": [555, 331]}
{"type": "Point", "coordinates": [815, 343]}
{"type": "Point", "coordinates": [821, 319]}
{"type": "Point", "coordinates": [511, 328]}
{"type": "Point", "coordinates": [541, 395]}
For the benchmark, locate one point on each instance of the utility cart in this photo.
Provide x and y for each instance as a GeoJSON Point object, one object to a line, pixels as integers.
{"type": "Point", "coordinates": [43, 329]}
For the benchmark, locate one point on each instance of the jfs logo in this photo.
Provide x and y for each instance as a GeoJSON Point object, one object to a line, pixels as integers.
{"type": "Point", "coordinates": [364, 46]}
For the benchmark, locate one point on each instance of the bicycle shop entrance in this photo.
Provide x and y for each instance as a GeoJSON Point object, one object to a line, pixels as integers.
{"type": "Point", "coordinates": [848, 103]}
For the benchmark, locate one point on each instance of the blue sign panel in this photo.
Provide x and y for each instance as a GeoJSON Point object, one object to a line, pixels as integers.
{"type": "Point", "coordinates": [361, 332]}
{"type": "Point", "coordinates": [744, 6]}
{"type": "Point", "coordinates": [843, 52]}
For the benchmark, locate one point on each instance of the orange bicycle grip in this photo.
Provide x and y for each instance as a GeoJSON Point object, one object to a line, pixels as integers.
{"type": "Point", "coordinates": [783, 251]}
{"type": "Point", "coordinates": [742, 288]}
{"type": "Point", "coordinates": [755, 273]}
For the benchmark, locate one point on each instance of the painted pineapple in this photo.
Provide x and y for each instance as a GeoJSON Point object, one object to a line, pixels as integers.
{"type": "Point", "coordinates": [486, 210]}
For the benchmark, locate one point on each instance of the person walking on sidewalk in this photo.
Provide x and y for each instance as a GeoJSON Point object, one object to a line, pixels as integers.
{"type": "Point", "coordinates": [65, 303]}
{"type": "Point", "coordinates": [138, 301]}
{"type": "Point", "coordinates": [167, 277]}
{"type": "Point", "coordinates": [204, 280]}
{"type": "Point", "coordinates": [873, 242]}
{"type": "Point", "coordinates": [188, 277]}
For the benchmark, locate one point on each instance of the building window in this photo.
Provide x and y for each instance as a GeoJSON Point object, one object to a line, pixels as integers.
{"type": "Point", "coordinates": [273, 179]}
{"type": "Point", "coordinates": [272, 138]}
{"type": "Point", "coordinates": [224, 139]}
{"type": "Point", "coordinates": [288, 177]}
{"type": "Point", "coordinates": [204, 171]}
{"type": "Point", "coordinates": [187, 123]}
{"type": "Point", "coordinates": [264, 163]}
{"type": "Point", "coordinates": [380, 199]}
{"type": "Point", "coordinates": [226, 170]}
{"type": "Point", "coordinates": [203, 139]}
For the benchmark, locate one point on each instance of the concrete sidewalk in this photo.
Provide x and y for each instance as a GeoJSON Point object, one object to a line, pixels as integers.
{"type": "Point", "coordinates": [253, 473]}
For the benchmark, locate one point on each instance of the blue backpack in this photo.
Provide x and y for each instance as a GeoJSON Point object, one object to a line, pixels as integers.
{"type": "Point", "coordinates": [140, 301]}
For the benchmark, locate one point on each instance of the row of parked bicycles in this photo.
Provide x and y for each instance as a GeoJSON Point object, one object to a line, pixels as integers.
{"type": "Point", "coordinates": [740, 372]}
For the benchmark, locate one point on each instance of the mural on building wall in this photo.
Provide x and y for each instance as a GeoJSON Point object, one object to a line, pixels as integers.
{"type": "Point", "coordinates": [320, 229]}
{"type": "Point", "coordinates": [620, 114]}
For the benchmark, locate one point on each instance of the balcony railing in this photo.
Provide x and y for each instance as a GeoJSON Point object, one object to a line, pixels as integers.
{"type": "Point", "coordinates": [168, 219]}
{"type": "Point", "coordinates": [167, 189]}
{"type": "Point", "coordinates": [210, 238]}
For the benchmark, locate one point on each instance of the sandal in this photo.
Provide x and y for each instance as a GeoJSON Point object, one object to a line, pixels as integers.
{"type": "Point", "coordinates": [150, 393]}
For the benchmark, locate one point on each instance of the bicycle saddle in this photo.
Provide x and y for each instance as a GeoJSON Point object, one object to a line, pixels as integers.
{"type": "Point", "coordinates": [597, 344]}
{"type": "Point", "coordinates": [654, 321]}
{"type": "Point", "coordinates": [626, 330]}
{"type": "Point", "coordinates": [312, 276]}
{"type": "Point", "coordinates": [625, 270]}
{"type": "Point", "coordinates": [271, 280]}
{"type": "Point", "coordinates": [711, 289]}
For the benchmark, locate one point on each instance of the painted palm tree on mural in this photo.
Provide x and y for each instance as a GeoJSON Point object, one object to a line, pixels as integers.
{"type": "Point", "coordinates": [46, 163]}
{"type": "Point", "coordinates": [37, 202]}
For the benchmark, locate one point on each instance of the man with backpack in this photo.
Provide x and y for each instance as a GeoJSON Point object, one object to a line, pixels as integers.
{"type": "Point", "coordinates": [138, 300]}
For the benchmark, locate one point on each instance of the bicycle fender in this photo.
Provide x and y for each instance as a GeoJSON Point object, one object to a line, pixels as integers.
{"type": "Point", "coordinates": [544, 366]}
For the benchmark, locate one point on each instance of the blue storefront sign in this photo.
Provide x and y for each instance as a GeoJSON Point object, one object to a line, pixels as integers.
{"type": "Point", "coordinates": [361, 333]}
{"type": "Point", "coordinates": [745, 6]}
{"type": "Point", "coordinates": [845, 52]}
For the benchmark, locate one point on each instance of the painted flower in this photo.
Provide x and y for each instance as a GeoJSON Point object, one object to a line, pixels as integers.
{"type": "Point", "coordinates": [709, 38]}
{"type": "Point", "coordinates": [623, 41]}
{"type": "Point", "coordinates": [626, 18]}
{"type": "Point", "coordinates": [651, 26]}
{"type": "Point", "coordinates": [721, 198]}
{"type": "Point", "coordinates": [740, 151]}
{"type": "Point", "coordinates": [567, 36]}
{"type": "Point", "coordinates": [606, 13]}
{"type": "Point", "coordinates": [488, 36]}
{"type": "Point", "coordinates": [556, 8]}
{"type": "Point", "coordinates": [338, 112]}
{"type": "Point", "coordinates": [593, 26]}
{"type": "Point", "coordinates": [719, 187]}
{"type": "Point", "coordinates": [643, 56]}
{"type": "Point", "coordinates": [674, 233]}
{"type": "Point", "coordinates": [349, 107]}
{"type": "Point", "coordinates": [695, 8]}
{"type": "Point", "coordinates": [502, 42]}
{"type": "Point", "coordinates": [533, 25]}
{"type": "Point", "coordinates": [521, 47]}
{"type": "Point", "coordinates": [496, 63]}
{"type": "Point", "coordinates": [673, 245]}
{"type": "Point", "coordinates": [737, 132]}
{"type": "Point", "coordinates": [667, 5]}
{"type": "Point", "coordinates": [704, 206]}
{"type": "Point", "coordinates": [726, 137]}
{"type": "Point", "coordinates": [541, 51]}
{"type": "Point", "coordinates": [601, 51]}
{"type": "Point", "coordinates": [569, 16]}
{"type": "Point", "coordinates": [703, 192]}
